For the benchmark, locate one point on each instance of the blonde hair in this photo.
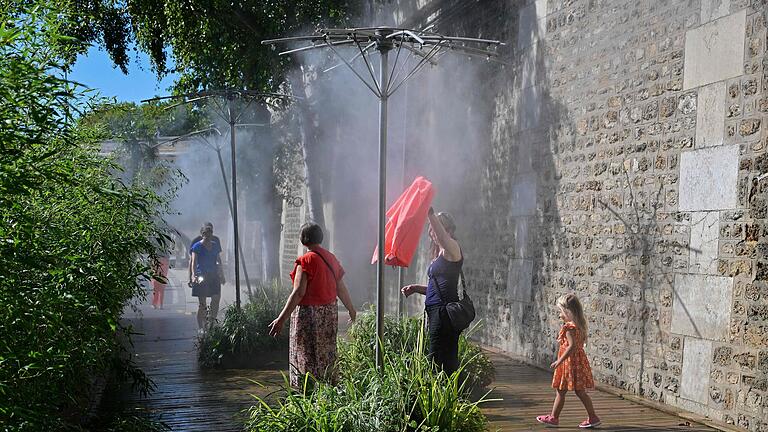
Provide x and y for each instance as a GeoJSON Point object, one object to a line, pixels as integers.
{"type": "Point", "coordinates": [572, 304]}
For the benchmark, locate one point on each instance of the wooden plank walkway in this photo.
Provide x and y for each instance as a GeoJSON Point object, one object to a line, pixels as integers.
{"type": "Point", "coordinates": [187, 398]}
{"type": "Point", "coordinates": [526, 393]}
{"type": "Point", "coordinates": [190, 399]}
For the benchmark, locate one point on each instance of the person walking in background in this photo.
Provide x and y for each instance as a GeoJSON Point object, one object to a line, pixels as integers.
{"type": "Point", "coordinates": [442, 288]}
{"type": "Point", "coordinates": [158, 285]}
{"type": "Point", "coordinates": [197, 239]}
{"type": "Point", "coordinates": [206, 276]}
{"type": "Point", "coordinates": [317, 281]}
{"type": "Point", "coordinates": [572, 370]}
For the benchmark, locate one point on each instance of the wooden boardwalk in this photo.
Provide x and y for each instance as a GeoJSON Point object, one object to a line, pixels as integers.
{"type": "Point", "coordinates": [187, 398]}
{"type": "Point", "coordinates": [190, 399]}
{"type": "Point", "coordinates": [526, 393]}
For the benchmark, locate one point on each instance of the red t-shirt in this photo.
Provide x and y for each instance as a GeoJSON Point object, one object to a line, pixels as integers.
{"type": "Point", "coordinates": [321, 286]}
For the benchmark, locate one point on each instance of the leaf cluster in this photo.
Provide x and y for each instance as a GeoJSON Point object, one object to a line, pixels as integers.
{"type": "Point", "coordinates": [402, 335]}
{"type": "Point", "coordinates": [127, 121]}
{"type": "Point", "coordinates": [244, 333]}
{"type": "Point", "coordinates": [217, 43]}
{"type": "Point", "coordinates": [74, 240]}
{"type": "Point", "coordinates": [409, 395]}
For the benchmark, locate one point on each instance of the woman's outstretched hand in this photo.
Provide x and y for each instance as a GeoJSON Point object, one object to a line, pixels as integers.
{"type": "Point", "coordinates": [408, 290]}
{"type": "Point", "coordinates": [275, 327]}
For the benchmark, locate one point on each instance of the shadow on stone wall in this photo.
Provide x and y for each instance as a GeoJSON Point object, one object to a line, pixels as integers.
{"type": "Point", "coordinates": [650, 286]}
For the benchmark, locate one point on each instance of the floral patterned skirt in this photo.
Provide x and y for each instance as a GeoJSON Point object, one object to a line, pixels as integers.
{"type": "Point", "coordinates": [313, 343]}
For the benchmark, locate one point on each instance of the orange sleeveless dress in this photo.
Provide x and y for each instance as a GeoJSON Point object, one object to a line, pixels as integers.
{"type": "Point", "coordinates": [574, 372]}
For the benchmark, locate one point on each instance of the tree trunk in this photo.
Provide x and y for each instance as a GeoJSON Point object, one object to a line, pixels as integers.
{"type": "Point", "coordinates": [272, 213]}
{"type": "Point", "coordinates": [312, 156]}
{"type": "Point", "coordinates": [312, 168]}
{"type": "Point", "coordinates": [257, 159]}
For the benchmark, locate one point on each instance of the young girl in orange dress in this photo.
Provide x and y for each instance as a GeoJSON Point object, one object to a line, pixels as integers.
{"type": "Point", "coordinates": [572, 371]}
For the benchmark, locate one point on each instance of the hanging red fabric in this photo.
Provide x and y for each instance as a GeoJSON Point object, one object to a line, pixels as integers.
{"type": "Point", "coordinates": [405, 222]}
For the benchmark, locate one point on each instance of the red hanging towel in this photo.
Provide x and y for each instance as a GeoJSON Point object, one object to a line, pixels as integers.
{"type": "Point", "coordinates": [405, 221]}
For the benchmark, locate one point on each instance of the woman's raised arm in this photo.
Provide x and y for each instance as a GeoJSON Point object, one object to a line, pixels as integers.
{"type": "Point", "coordinates": [444, 240]}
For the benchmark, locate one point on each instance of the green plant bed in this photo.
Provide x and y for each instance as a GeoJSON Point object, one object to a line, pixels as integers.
{"type": "Point", "coordinates": [402, 335]}
{"type": "Point", "coordinates": [241, 340]}
{"type": "Point", "coordinates": [408, 394]}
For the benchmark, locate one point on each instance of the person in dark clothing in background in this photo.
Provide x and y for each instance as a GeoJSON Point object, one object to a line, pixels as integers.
{"type": "Point", "coordinates": [443, 288]}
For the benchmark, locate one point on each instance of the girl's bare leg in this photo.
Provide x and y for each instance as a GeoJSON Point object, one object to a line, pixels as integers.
{"type": "Point", "coordinates": [587, 401]}
{"type": "Point", "coordinates": [214, 310]}
{"type": "Point", "coordinates": [559, 402]}
{"type": "Point", "coordinates": [201, 312]}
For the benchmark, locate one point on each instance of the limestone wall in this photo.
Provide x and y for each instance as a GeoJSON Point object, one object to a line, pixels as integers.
{"type": "Point", "coordinates": [624, 158]}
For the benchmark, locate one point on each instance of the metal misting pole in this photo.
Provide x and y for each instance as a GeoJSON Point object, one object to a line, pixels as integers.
{"type": "Point", "coordinates": [384, 48]}
{"type": "Point", "coordinates": [401, 269]}
{"type": "Point", "coordinates": [232, 121]}
{"type": "Point", "coordinates": [231, 213]}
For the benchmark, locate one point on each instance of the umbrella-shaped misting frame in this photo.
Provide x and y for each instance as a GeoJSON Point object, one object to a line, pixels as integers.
{"type": "Point", "coordinates": [421, 47]}
{"type": "Point", "coordinates": [227, 112]}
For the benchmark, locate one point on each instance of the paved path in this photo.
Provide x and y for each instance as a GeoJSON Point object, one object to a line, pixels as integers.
{"type": "Point", "coordinates": [190, 399]}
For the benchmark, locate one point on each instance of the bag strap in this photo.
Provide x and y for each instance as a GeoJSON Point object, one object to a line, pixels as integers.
{"type": "Point", "coordinates": [437, 288]}
{"type": "Point", "coordinates": [329, 266]}
{"type": "Point", "coordinates": [463, 286]}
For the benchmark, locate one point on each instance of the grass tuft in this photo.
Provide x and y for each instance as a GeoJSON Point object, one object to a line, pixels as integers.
{"type": "Point", "coordinates": [409, 395]}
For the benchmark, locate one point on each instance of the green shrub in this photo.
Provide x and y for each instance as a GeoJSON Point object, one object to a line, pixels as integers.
{"type": "Point", "coordinates": [408, 395]}
{"type": "Point", "coordinates": [74, 240]}
{"type": "Point", "coordinates": [242, 337]}
{"type": "Point", "coordinates": [402, 335]}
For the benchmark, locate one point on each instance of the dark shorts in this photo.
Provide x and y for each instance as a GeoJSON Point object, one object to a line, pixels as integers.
{"type": "Point", "coordinates": [209, 287]}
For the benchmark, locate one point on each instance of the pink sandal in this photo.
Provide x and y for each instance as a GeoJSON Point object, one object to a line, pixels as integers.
{"type": "Point", "coordinates": [590, 423]}
{"type": "Point", "coordinates": [548, 420]}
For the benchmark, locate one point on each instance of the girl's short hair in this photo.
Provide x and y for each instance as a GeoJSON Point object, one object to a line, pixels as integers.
{"type": "Point", "coordinates": [311, 233]}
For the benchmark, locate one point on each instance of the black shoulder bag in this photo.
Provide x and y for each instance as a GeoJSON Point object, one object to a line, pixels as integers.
{"type": "Point", "coordinates": [462, 312]}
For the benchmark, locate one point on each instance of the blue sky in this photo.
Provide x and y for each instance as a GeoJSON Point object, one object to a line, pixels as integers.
{"type": "Point", "coordinates": [95, 69]}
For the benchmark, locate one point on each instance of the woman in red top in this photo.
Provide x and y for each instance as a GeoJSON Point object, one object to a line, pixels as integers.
{"type": "Point", "coordinates": [317, 281]}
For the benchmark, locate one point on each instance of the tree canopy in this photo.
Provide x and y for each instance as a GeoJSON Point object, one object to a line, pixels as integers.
{"type": "Point", "coordinates": [214, 43]}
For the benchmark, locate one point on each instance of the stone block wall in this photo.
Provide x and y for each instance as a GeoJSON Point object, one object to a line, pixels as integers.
{"type": "Point", "coordinates": [622, 157]}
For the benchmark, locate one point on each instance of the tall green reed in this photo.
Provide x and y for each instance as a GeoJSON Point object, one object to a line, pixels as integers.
{"type": "Point", "coordinates": [409, 394]}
